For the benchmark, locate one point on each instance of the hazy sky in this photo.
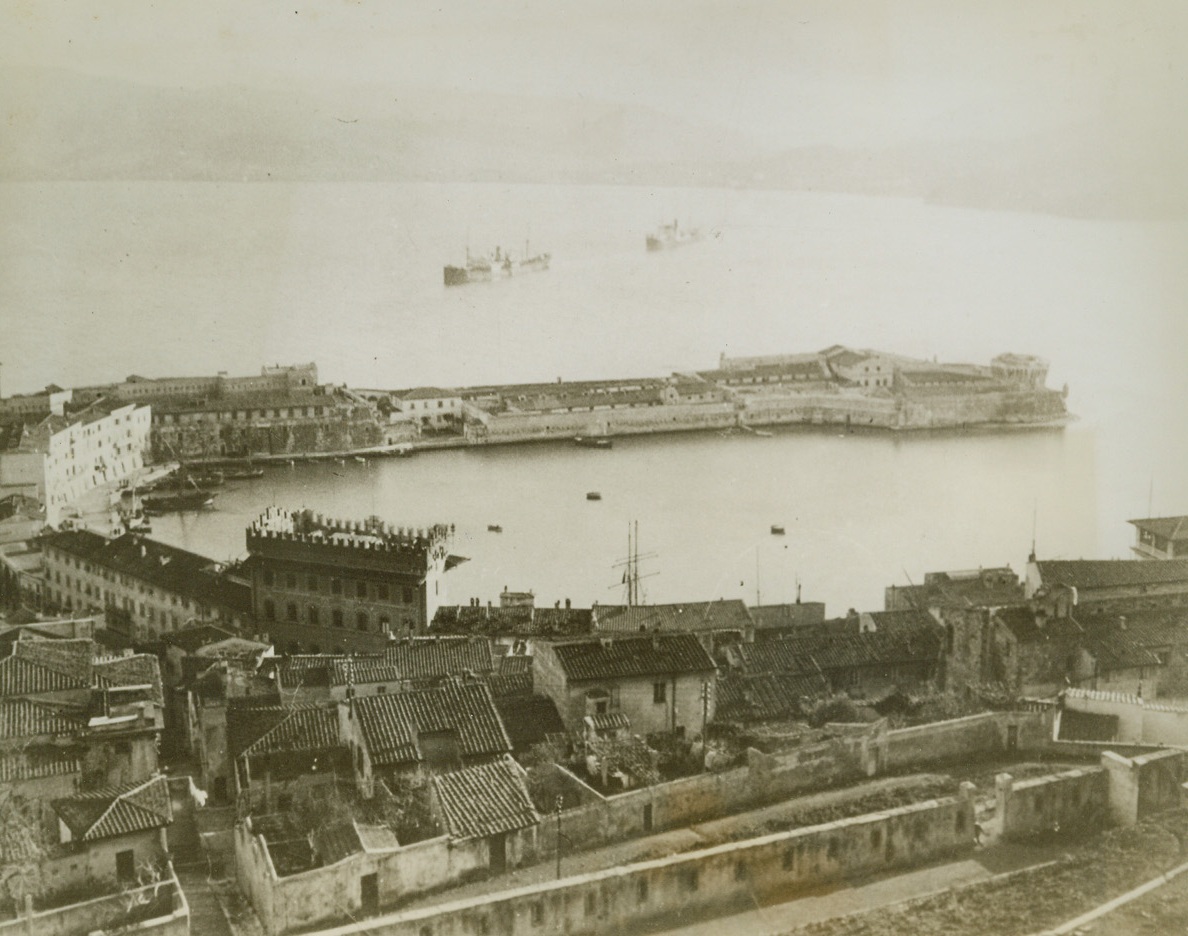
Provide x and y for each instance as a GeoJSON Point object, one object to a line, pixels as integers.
{"type": "Point", "coordinates": [784, 72]}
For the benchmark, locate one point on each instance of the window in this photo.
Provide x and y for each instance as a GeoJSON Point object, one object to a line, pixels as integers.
{"type": "Point", "coordinates": [336, 586]}
{"type": "Point", "coordinates": [408, 595]}
{"type": "Point", "coordinates": [381, 591]}
{"type": "Point", "coordinates": [591, 904]}
{"type": "Point", "coordinates": [385, 623]}
{"type": "Point", "coordinates": [659, 692]}
{"type": "Point", "coordinates": [291, 611]}
{"type": "Point", "coordinates": [361, 620]}
{"type": "Point", "coordinates": [379, 690]}
{"type": "Point", "coordinates": [537, 913]}
{"type": "Point", "coordinates": [336, 617]}
{"type": "Point", "coordinates": [312, 583]}
{"type": "Point", "coordinates": [641, 890]}
{"type": "Point", "coordinates": [269, 610]}
{"type": "Point", "coordinates": [290, 580]}
{"type": "Point", "coordinates": [312, 616]}
{"type": "Point", "coordinates": [360, 589]}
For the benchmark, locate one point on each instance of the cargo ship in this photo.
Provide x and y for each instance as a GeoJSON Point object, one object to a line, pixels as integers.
{"type": "Point", "coordinates": [496, 265]}
{"type": "Point", "coordinates": [672, 235]}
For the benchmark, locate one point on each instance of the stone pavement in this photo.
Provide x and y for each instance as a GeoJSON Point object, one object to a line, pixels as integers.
{"type": "Point", "coordinates": [206, 915]}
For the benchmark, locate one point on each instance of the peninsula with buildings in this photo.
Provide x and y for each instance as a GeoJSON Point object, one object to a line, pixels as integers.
{"type": "Point", "coordinates": [112, 430]}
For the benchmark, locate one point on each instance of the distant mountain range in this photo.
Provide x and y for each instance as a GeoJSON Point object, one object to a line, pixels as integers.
{"type": "Point", "coordinates": [61, 125]}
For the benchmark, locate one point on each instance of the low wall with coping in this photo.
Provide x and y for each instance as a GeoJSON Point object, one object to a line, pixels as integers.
{"type": "Point", "coordinates": [766, 778]}
{"type": "Point", "coordinates": [107, 913]}
{"type": "Point", "coordinates": [1145, 784]}
{"type": "Point", "coordinates": [1074, 799]}
{"type": "Point", "coordinates": [985, 735]}
{"type": "Point", "coordinates": [714, 880]}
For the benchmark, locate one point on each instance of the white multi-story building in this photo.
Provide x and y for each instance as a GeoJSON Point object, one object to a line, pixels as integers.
{"type": "Point", "coordinates": [68, 454]}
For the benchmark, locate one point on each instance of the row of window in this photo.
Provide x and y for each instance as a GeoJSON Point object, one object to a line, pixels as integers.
{"type": "Point", "coordinates": [285, 412]}
{"type": "Point", "coordinates": [313, 617]}
{"type": "Point", "coordinates": [376, 591]}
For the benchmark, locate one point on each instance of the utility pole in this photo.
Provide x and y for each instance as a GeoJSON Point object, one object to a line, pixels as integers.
{"type": "Point", "coordinates": [705, 694]}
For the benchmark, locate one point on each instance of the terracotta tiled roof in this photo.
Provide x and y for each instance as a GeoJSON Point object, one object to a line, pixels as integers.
{"type": "Point", "coordinates": [623, 657]}
{"type": "Point", "coordinates": [529, 719]}
{"type": "Point", "coordinates": [277, 729]}
{"type": "Point", "coordinates": [391, 722]}
{"type": "Point", "coordinates": [1026, 627]}
{"type": "Point", "coordinates": [604, 721]}
{"type": "Point", "coordinates": [486, 800]}
{"type": "Point", "coordinates": [788, 615]}
{"type": "Point", "coordinates": [1113, 573]}
{"type": "Point", "coordinates": [729, 615]}
{"type": "Point", "coordinates": [72, 657]}
{"type": "Point", "coordinates": [35, 763]}
{"type": "Point", "coordinates": [512, 664]}
{"type": "Point", "coordinates": [21, 677]}
{"type": "Point", "coordinates": [510, 684]}
{"type": "Point", "coordinates": [24, 718]}
{"type": "Point", "coordinates": [116, 810]}
{"type": "Point", "coordinates": [765, 696]}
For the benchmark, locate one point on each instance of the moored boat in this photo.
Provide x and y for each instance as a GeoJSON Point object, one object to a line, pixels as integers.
{"type": "Point", "coordinates": [173, 503]}
{"type": "Point", "coordinates": [497, 264]}
{"type": "Point", "coordinates": [244, 474]}
{"type": "Point", "coordinates": [598, 442]}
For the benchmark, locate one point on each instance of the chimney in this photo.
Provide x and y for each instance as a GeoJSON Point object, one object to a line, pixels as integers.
{"type": "Point", "coordinates": [568, 604]}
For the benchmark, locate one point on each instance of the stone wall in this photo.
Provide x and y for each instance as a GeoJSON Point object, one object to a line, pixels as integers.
{"type": "Point", "coordinates": [715, 880]}
{"type": "Point", "coordinates": [200, 440]}
{"type": "Point", "coordinates": [1145, 784]}
{"type": "Point", "coordinates": [984, 735]}
{"type": "Point", "coordinates": [1073, 800]}
{"type": "Point", "coordinates": [97, 915]}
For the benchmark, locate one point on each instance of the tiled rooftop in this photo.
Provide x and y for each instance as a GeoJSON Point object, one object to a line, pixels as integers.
{"type": "Point", "coordinates": [529, 719]}
{"type": "Point", "coordinates": [115, 811]}
{"type": "Point", "coordinates": [256, 730]}
{"type": "Point", "coordinates": [1113, 573]}
{"type": "Point", "coordinates": [24, 718]}
{"type": "Point", "coordinates": [622, 657]}
{"type": "Point", "coordinates": [1172, 528]}
{"type": "Point", "coordinates": [489, 799]}
{"type": "Point", "coordinates": [36, 763]}
{"type": "Point", "coordinates": [391, 723]}
{"type": "Point", "coordinates": [765, 696]}
{"type": "Point", "coordinates": [514, 622]}
{"type": "Point", "coordinates": [810, 655]}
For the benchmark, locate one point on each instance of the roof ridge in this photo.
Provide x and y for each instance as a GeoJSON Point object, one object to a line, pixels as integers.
{"type": "Point", "coordinates": [119, 797]}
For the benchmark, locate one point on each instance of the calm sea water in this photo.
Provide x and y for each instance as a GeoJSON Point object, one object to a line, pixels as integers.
{"type": "Point", "coordinates": [102, 280]}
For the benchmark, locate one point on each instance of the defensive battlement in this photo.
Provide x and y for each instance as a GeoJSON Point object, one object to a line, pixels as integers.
{"type": "Point", "coordinates": [305, 527]}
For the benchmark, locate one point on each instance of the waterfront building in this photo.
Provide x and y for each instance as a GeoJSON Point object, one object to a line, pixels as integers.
{"type": "Point", "coordinates": [69, 453]}
{"type": "Point", "coordinates": [144, 587]}
{"type": "Point", "coordinates": [659, 682]}
{"type": "Point", "coordinates": [430, 408]}
{"type": "Point", "coordinates": [319, 583]}
{"type": "Point", "coordinates": [1161, 538]}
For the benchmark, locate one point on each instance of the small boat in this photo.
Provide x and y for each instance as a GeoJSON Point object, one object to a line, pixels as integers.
{"type": "Point", "coordinates": [494, 528]}
{"type": "Point", "coordinates": [172, 503]}
{"type": "Point", "coordinates": [777, 530]}
{"type": "Point", "coordinates": [593, 495]}
{"type": "Point", "coordinates": [245, 474]}
{"type": "Point", "coordinates": [597, 442]}
{"type": "Point", "coordinates": [764, 434]}
{"type": "Point", "coordinates": [361, 460]}
{"type": "Point", "coordinates": [138, 524]}
{"type": "Point", "coordinates": [404, 451]}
